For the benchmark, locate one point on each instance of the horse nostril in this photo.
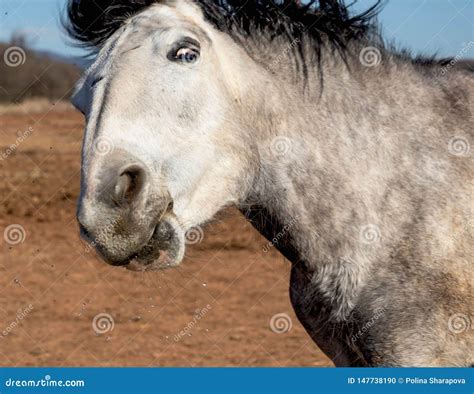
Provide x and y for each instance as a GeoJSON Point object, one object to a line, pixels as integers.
{"type": "Point", "coordinates": [129, 184]}
{"type": "Point", "coordinates": [124, 186]}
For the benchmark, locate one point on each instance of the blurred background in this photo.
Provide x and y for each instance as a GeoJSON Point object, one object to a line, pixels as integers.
{"type": "Point", "coordinates": [227, 304]}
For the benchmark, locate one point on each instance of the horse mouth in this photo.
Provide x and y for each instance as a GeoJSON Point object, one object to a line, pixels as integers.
{"type": "Point", "coordinates": [164, 249]}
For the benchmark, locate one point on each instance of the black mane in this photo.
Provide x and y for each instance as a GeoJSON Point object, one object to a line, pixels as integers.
{"type": "Point", "coordinates": [92, 22]}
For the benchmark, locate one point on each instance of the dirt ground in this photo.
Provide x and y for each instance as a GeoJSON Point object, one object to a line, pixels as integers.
{"type": "Point", "coordinates": [214, 310]}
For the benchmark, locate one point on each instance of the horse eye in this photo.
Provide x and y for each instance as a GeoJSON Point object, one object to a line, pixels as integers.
{"type": "Point", "coordinates": [186, 55]}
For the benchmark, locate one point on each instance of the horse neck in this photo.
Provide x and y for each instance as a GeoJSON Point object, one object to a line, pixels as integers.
{"type": "Point", "coordinates": [283, 124]}
{"type": "Point", "coordinates": [324, 158]}
{"type": "Point", "coordinates": [306, 154]}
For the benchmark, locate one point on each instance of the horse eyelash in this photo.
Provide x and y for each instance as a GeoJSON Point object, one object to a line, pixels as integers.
{"type": "Point", "coordinates": [187, 42]}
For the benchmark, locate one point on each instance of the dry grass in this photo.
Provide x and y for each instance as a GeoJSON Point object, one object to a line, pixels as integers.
{"type": "Point", "coordinates": [35, 105]}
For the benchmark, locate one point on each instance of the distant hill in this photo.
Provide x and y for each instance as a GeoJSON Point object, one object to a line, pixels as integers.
{"type": "Point", "coordinates": [25, 73]}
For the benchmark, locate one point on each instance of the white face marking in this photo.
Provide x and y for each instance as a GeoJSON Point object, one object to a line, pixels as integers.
{"type": "Point", "coordinates": [175, 117]}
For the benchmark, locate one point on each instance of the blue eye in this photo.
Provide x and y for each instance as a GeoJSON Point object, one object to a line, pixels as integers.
{"type": "Point", "coordinates": [186, 55]}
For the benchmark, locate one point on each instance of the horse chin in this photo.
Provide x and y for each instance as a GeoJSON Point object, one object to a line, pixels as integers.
{"type": "Point", "coordinates": [165, 249]}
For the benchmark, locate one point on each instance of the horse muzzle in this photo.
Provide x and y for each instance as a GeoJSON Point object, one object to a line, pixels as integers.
{"type": "Point", "coordinates": [124, 217]}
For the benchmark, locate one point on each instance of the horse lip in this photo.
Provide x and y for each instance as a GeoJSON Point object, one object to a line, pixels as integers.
{"type": "Point", "coordinates": [163, 248]}
{"type": "Point", "coordinates": [87, 237]}
{"type": "Point", "coordinates": [159, 251]}
{"type": "Point", "coordinates": [115, 262]}
{"type": "Point", "coordinates": [137, 258]}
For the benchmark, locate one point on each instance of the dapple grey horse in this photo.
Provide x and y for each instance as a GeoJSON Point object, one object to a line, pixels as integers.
{"type": "Point", "coordinates": [352, 157]}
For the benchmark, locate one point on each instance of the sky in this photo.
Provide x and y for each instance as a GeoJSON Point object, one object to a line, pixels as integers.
{"type": "Point", "coordinates": [445, 27]}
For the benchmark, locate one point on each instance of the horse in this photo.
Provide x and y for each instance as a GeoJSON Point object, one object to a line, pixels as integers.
{"type": "Point", "coordinates": [350, 156]}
